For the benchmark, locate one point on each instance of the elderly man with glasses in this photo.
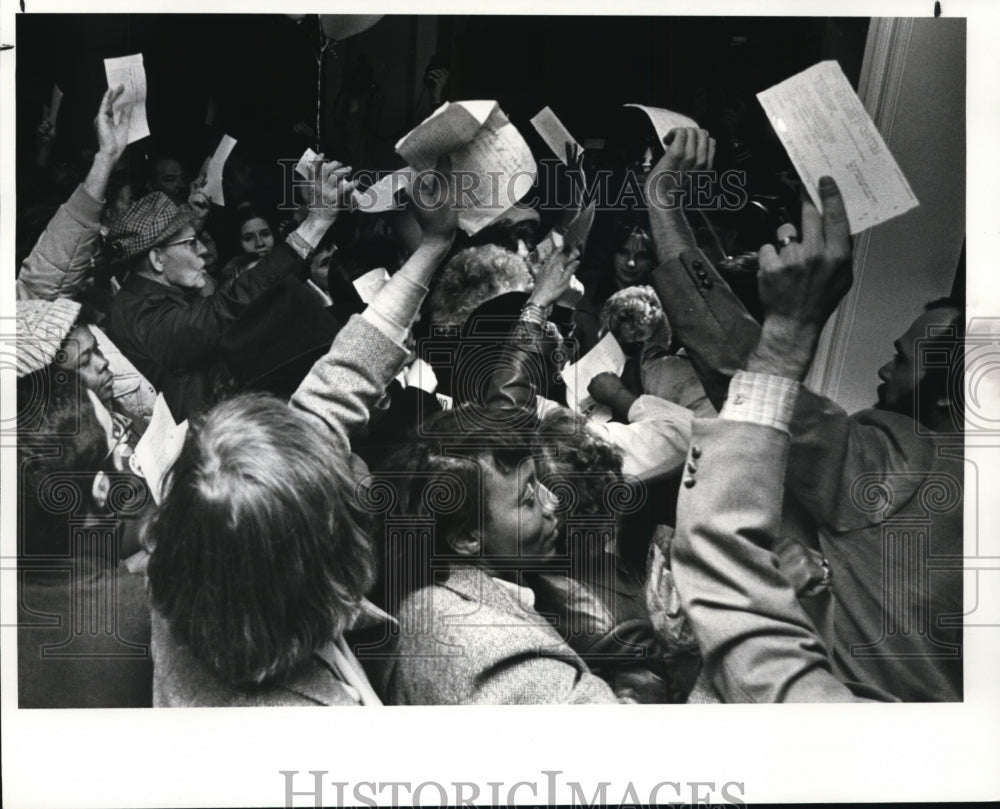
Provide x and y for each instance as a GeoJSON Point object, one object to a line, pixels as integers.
{"type": "Point", "coordinates": [160, 320]}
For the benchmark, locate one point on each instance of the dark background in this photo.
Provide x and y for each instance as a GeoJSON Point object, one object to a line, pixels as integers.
{"type": "Point", "coordinates": [262, 71]}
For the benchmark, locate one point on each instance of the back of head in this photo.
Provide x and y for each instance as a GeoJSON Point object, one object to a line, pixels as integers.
{"type": "Point", "coordinates": [474, 276]}
{"type": "Point", "coordinates": [260, 550]}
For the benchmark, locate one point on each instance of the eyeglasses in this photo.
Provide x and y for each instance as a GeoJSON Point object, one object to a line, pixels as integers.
{"type": "Point", "coordinates": [191, 241]}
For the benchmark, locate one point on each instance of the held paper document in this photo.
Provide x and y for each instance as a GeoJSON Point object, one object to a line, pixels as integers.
{"type": "Point", "coordinates": [606, 356]}
{"type": "Point", "coordinates": [213, 175]}
{"type": "Point", "coordinates": [494, 164]}
{"type": "Point", "coordinates": [826, 130]}
{"type": "Point", "coordinates": [159, 447]}
{"type": "Point", "coordinates": [130, 72]}
{"type": "Point", "coordinates": [555, 135]}
{"type": "Point", "coordinates": [304, 168]}
{"type": "Point", "coordinates": [383, 195]}
{"type": "Point", "coordinates": [664, 120]}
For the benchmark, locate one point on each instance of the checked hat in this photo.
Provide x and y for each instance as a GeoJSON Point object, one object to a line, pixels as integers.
{"type": "Point", "coordinates": [146, 224]}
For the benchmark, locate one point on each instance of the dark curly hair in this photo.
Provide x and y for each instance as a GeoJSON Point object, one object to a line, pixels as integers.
{"type": "Point", "coordinates": [436, 478]}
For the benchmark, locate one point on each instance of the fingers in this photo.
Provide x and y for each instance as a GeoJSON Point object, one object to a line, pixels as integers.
{"type": "Point", "coordinates": [691, 148]}
{"type": "Point", "coordinates": [678, 146]}
{"type": "Point", "coordinates": [767, 260]}
{"type": "Point", "coordinates": [701, 149]}
{"type": "Point", "coordinates": [111, 95]}
{"type": "Point", "coordinates": [836, 230]}
{"type": "Point", "coordinates": [334, 172]}
{"type": "Point", "coordinates": [711, 153]}
{"type": "Point", "coordinates": [812, 227]}
{"type": "Point", "coordinates": [787, 232]}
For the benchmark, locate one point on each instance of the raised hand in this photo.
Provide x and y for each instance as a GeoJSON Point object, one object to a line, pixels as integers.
{"type": "Point", "coordinates": [112, 122]}
{"type": "Point", "coordinates": [574, 167]}
{"type": "Point", "coordinates": [332, 190]}
{"type": "Point", "coordinates": [45, 131]}
{"type": "Point", "coordinates": [434, 202]}
{"type": "Point", "coordinates": [555, 277]}
{"type": "Point", "coordinates": [686, 149]}
{"type": "Point", "coordinates": [437, 80]}
{"type": "Point", "coordinates": [801, 283]}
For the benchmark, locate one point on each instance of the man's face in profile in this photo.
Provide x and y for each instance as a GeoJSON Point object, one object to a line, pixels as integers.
{"type": "Point", "coordinates": [901, 376]}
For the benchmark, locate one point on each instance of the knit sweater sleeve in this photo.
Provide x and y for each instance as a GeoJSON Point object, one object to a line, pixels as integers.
{"type": "Point", "coordinates": [342, 387]}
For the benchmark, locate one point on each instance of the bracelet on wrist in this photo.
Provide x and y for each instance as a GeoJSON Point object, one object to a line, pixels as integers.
{"type": "Point", "coordinates": [299, 245]}
{"type": "Point", "coordinates": [535, 313]}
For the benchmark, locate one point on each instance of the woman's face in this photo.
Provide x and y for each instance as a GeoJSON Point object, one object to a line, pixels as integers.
{"type": "Point", "coordinates": [521, 518]}
{"type": "Point", "coordinates": [633, 260]}
{"type": "Point", "coordinates": [256, 237]}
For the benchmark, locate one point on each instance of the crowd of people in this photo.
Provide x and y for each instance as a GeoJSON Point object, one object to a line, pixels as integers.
{"type": "Point", "coordinates": [398, 502]}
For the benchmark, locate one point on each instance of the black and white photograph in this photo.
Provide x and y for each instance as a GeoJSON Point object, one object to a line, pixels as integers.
{"type": "Point", "coordinates": [644, 360]}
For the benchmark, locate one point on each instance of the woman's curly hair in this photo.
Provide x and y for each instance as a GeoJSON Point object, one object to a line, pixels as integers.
{"type": "Point", "coordinates": [634, 315]}
{"type": "Point", "coordinates": [474, 276]}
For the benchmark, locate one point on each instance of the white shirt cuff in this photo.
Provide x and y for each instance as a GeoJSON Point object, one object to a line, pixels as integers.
{"type": "Point", "coordinates": [761, 399]}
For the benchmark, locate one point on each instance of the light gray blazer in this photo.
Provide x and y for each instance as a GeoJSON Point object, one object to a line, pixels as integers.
{"type": "Point", "coordinates": [469, 641]}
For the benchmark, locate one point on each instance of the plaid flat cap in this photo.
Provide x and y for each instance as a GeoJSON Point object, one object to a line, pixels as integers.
{"type": "Point", "coordinates": [42, 327]}
{"type": "Point", "coordinates": [148, 222]}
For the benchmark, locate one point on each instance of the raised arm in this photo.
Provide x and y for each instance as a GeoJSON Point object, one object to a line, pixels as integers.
{"type": "Point", "coordinates": [513, 386]}
{"type": "Point", "coordinates": [757, 643]}
{"type": "Point", "coordinates": [705, 315]}
{"type": "Point", "coordinates": [63, 257]}
{"type": "Point", "coordinates": [182, 334]}
{"type": "Point", "coordinates": [370, 350]}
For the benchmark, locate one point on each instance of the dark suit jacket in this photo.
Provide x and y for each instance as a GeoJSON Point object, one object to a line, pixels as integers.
{"type": "Point", "coordinates": [173, 338]}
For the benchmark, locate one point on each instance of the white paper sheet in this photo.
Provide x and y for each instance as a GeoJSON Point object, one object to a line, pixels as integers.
{"type": "Point", "coordinates": [546, 247]}
{"type": "Point", "coordinates": [664, 120]}
{"type": "Point", "coordinates": [606, 356]}
{"type": "Point", "coordinates": [826, 130]}
{"type": "Point", "coordinates": [382, 196]}
{"type": "Point", "coordinates": [494, 164]}
{"type": "Point", "coordinates": [304, 166]}
{"type": "Point", "coordinates": [213, 175]}
{"type": "Point", "coordinates": [130, 72]}
{"type": "Point", "coordinates": [370, 283]}
{"type": "Point", "coordinates": [555, 135]}
{"type": "Point", "coordinates": [451, 125]}
{"type": "Point", "coordinates": [159, 447]}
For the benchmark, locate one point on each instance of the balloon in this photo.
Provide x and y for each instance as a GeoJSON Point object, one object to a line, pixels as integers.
{"type": "Point", "coordinates": [341, 26]}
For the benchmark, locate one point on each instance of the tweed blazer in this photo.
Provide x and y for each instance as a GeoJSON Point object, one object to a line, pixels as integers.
{"type": "Point", "coordinates": [866, 481]}
{"type": "Point", "coordinates": [469, 640]}
{"type": "Point", "coordinates": [757, 643]}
